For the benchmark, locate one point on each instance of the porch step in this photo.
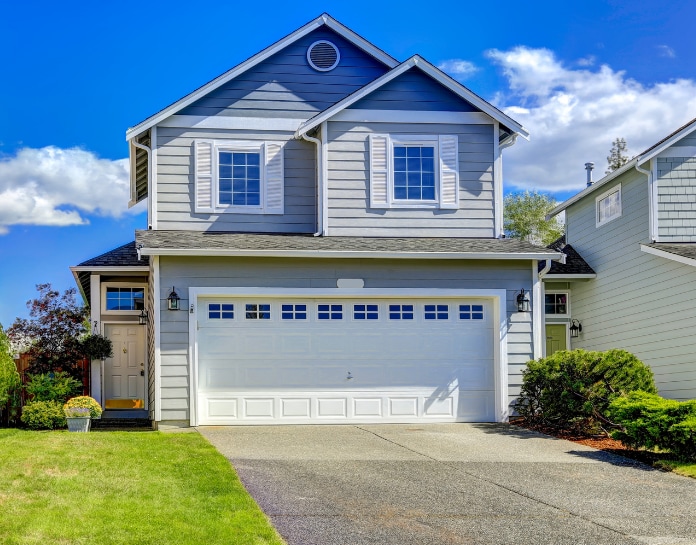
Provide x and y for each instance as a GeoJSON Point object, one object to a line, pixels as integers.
{"type": "Point", "coordinates": [122, 424]}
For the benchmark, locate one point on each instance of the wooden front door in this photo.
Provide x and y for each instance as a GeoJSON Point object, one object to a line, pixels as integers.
{"type": "Point", "coordinates": [556, 338]}
{"type": "Point", "coordinates": [124, 373]}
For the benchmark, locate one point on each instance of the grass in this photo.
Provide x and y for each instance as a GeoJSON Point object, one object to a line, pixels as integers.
{"type": "Point", "coordinates": [688, 469]}
{"type": "Point", "coordinates": [122, 487]}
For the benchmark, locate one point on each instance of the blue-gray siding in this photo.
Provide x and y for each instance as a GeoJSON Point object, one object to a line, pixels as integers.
{"type": "Point", "coordinates": [676, 201]}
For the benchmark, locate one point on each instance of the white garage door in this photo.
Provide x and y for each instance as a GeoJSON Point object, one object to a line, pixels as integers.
{"type": "Point", "coordinates": [274, 361]}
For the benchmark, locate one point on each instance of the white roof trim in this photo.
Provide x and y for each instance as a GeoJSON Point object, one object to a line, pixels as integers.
{"type": "Point", "coordinates": [324, 19]}
{"type": "Point", "coordinates": [129, 268]}
{"type": "Point", "coordinates": [668, 255]}
{"type": "Point", "coordinates": [551, 277]}
{"type": "Point", "coordinates": [636, 161]}
{"type": "Point", "coordinates": [353, 254]}
{"type": "Point", "coordinates": [431, 71]}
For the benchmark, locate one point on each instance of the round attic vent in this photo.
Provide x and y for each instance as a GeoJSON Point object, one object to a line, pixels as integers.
{"type": "Point", "coordinates": [323, 56]}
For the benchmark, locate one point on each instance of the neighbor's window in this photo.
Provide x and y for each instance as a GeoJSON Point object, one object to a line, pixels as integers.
{"type": "Point", "coordinates": [414, 172]}
{"type": "Point", "coordinates": [239, 179]}
{"type": "Point", "coordinates": [125, 298]}
{"type": "Point", "coordinates": [556, 303]}
{"type": "Point", "coordinates": [608, 206]}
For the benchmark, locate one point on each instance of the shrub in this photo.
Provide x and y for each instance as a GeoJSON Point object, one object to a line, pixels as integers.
{"type": "Point", "coordinates": [85, 402]}
{"type": "Point", "coordinates": [650, 421]}
{"type": "Point", "coordinates": [58, 387]}
{"type": "Point", "coordinates": [572, 389]}
{"type": "Point", "coordinates": [76, 412]}
{"type": "Point", "coordinates": [43, 415]}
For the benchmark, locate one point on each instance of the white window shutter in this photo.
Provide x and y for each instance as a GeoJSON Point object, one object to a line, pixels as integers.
{"type": "Point", "coordinates": [379, 171]}
{"type": "Point", "coordinates": [449, 171]}
{"type": "Point", "coordinates": [204, 176]}
{"type": "Point", "coordinates": [274, 177]}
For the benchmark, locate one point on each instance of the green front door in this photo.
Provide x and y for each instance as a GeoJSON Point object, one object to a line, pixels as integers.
{"type": "Point", "coordinates": [555, 338]}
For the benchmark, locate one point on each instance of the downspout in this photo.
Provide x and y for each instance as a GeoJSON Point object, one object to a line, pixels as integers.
{"type": "Point", "coordinates": [149, 179]}
{"type": "Point", "coordinates": [651, 201]}
{"type": "Point", "coordinates": [540, 331]}
{"type": "Point", "coordinates": [320, 184]}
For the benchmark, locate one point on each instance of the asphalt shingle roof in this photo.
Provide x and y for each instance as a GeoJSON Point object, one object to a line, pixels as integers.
{"type": "Point", "coordinates": [123, 256]}
{"type": "Point", "coordinates": [684, 249]}
{"type": "Point", "coordinates": [191, 240]}
{"type": "Point", "coordinates": [574, 264]}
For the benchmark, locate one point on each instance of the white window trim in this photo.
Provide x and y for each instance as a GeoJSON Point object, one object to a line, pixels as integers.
{"type": "Point", "coordinates": [556, 292]}
{"type": "Point", "coordinates": [410, 140]}
{"type": "Point", "coordinates": [598, 199]}
{"type": "Point", "coordinates": [244, 147]}
{"type": "Point", "coordinates": [121, 285]}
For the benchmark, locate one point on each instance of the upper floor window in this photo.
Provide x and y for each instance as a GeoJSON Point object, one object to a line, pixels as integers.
{"type": "Point", "coordinates": [608, 205]}
{"type": "Point", "coordinates": [124, 298]}
{"type": "Point", "coordinates": [409, 171]}
{"type": "Point", "coordinates": [243, 177]}
{"type": "Point", "coordinates": [556, 304]}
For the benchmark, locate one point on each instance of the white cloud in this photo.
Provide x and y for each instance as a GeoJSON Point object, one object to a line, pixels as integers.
{"type": "Point", "coordinates": [573, 116]}
{"type": "Point", "coordinates": [59, 187]}
{"type": "Point", "coordinates": [666, 51]}
{"type": "Point", "coordinates": [458, 68]}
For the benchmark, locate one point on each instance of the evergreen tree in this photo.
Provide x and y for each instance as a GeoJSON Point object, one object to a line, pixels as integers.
{"type": "Point", "coordinates": [618, 156]}
{"type": "Point", "coordinates": [525, 218]}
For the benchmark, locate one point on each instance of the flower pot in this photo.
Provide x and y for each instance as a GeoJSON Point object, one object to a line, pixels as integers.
{"type": "Point", "coordinates": [79, 424]}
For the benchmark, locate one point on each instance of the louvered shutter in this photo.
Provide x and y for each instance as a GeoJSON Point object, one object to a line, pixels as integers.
{"type": "Point", "coordinates": [273, 160]}
{"type": "Point", "coordinates": [449, 171]}
{"type": "Point", "coordinates": [204, 176]}
{"type": "Point", "coordinates": [379, 171]}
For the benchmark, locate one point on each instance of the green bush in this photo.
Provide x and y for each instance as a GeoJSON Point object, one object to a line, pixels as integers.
{"type": "Point", "coordinates": [43, 415]}
{"type": "Point", "coordinates": [650, 421]}
{"type": "Point", "coordinates": [85, 402]}
{"type": "Point", "coordinates": [58, 387]}
{"type": "Point", "coordinates": [572, 389]}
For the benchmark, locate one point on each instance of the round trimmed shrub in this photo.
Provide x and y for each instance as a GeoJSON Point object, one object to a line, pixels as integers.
{"type": "Point", "coordinates": [85, 402]}
{"type": "Point", "coordinates": [572, 389]}
{"type": "Point", "coordinates": [43, 415]}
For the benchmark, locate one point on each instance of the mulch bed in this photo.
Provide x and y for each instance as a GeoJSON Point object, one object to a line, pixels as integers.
{"type": "Point", "coordinates": [600, 442]}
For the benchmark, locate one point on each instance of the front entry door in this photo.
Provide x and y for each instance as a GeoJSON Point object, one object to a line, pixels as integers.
{"type": "Point", "coordinates": [555, 338]}
{"type": "Point", "coordinates": [124, 373]}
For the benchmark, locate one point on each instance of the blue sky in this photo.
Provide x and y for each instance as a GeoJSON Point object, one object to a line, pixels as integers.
{"type": "Point", "coordinates": [76, 75]}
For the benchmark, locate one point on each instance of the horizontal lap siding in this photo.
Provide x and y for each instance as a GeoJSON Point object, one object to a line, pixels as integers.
{"type": "Point", "coordinates": [175, 185]}
{"type": "Point", "coordinates": [676, 190]}
{"type": "Point", "coordinates": [288, 273]}
{"type": "Point", "coordinates": [285, 85]}
{"type": "Point", "coordinates": [638, 302]}
{"type": "Point", "coordinates": [349, 168]}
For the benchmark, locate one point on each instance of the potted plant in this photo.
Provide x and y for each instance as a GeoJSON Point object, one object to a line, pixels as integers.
{"type": "Point", "coordinates": [97, 347]}
{"type": "Point", "coordinates": [82, 408]}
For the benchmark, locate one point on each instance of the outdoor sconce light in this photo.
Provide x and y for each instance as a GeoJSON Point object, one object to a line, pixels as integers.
{"type": "Point", "coordinates": [173, 300]}
{"type": "Point", "coordinates": [575, 329]}
{"type": "Point", "coordinates": [522, 302]}
{"type": "Point", "coordinates": [142, 319]}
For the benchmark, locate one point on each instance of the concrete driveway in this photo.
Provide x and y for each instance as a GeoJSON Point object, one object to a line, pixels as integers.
{"type": "Point", "coordinates": [452, 483]}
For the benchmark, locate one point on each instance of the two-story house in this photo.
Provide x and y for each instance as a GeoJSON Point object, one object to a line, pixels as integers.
{"type": "Point", "coordinates": [324, 245]}
{"type": "Point", "coordinates": [636, 229]}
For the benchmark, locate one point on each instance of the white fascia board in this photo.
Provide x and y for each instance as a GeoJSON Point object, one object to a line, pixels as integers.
{"type": "Point", "coordinates": [322, 20]}
{"type": "Point", "coordinates": [289, 125]}
{"type": "Point", "coordinates": [413, 116]}
{"type": "Point", "coordinates": [668, 255]}
{"type": "Point", "coordinates": [555, 277]}
{"type": "Point", "coordinates": [431, 71]}
{"type": "Point", "coordinates": [347, 254]}
{"type": "Point", "coordinates": [129, 268]}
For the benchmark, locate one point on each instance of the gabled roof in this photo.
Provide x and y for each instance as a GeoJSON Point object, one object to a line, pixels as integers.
{"type": "Point", "coordinates": [574, 267]}
{"type": "Point", "coordinates": [323, 20]}
{"type": "Point", "coordinates": [638, 160]}
{"type": "Point", "coordinates": [123, 256]}
{"type": "Point", "coordinates": [439, 76]}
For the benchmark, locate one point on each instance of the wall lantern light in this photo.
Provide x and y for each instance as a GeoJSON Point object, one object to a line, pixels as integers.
{"type": "Point", "coordinates": [173, 300]}
{"type": "Point", "coordinates": [142, 319]}
{"type": "Point", "coordinates": [523, 302]}
{"type": "Point", "coordinates": [575, 329]}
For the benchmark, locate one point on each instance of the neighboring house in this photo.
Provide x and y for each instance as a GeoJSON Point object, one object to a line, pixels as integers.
{"type": "Point", "coordinates": [325, 245]}
{"type": "Point", "coordinates": [636, 227]}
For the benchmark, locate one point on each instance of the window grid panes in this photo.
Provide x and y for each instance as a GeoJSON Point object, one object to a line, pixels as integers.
{"type": "Point", "coordinates": [436, 312]}
{"type": "Point", "coordinates": [330, 312]}
{"type": "Point", "coordinates": [556, 303]}
{"type": "Point", "coordinates": [293, 312]}
{"type": "Point", "coordinates": [401, 312]}
{"type": "Point", "coordinates": [414, 173]}
{"type": "Point", "coordinates": [125, 298]}
{"type": "Point", "coordinates": [609, 207]}
{"type": "Point", "coordinates": [471, 312]}
{"type": "Point", "coordinates": [220, 311]}
{"type": "Point", "coordinates": [365, 312]}
{"type": "Point", "coordinates": [239, 178]}
{"type": "Point", "coordinates": [258, 311]}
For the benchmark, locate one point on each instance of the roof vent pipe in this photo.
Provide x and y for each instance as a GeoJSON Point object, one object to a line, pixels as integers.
{"type": "Point", "coordinates": [589, 167]}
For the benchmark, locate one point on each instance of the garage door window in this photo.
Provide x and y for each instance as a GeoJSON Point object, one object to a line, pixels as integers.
{"type": "Point", "coordinates": [436, 312]}
{"type": "Point", "coordinates": [471, 312]}
{"type": "Point", "coordinates": [258, 311]}
{"type": "Point", "coordinates": [330, 312]}
{"type": "Point", "coordinates": [365, 312]}
{"type": "Point", "coordinates": [220, 311]}
{"type": "Point", "coordinates": [401, 312]}
{"type": "Point", "coordinates": [293, 312]}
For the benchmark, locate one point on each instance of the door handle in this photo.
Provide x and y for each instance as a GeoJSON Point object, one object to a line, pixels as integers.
{"type": "Point", "coordinates": [142, 372]}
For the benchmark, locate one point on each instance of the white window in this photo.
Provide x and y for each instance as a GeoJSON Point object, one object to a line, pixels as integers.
{"type": "Point", "coordinates": [409, 171]}
{"type": "Point", "coordinates": [608, 205]}
{"type": "Point", "coordinates": [557, 304]}
{"type": "Point", "coordinates": [123, 298]}
{"type": "Point", "coordinates": [243, 177]}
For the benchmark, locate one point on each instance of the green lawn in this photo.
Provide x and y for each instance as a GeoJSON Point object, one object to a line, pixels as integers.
{"type": "Point", "coordinates": [122, 487]}
{"type": "Point", "coordinates": [687, 469]}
